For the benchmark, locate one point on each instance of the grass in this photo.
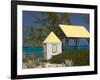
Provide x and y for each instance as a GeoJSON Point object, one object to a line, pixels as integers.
{"type": "Point", "coordinates": [80, 57]}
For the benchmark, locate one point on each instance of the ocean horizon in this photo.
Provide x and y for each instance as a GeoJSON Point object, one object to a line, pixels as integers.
{"type": "Point", "coordinates": [38, 51]}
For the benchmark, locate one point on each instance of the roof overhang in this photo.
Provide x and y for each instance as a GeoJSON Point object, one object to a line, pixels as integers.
{"type": "Point", "coordinates": [73, 31]}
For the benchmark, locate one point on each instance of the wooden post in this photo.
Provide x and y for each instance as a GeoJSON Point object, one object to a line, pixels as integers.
{"type": "Point", "coordinates": [87, 41]}
{"type": "Point", "coordinates": [63, 44]}
{"type": "Point", "coordinates": [77, 42]}
{"type": "Point", "coordinates": [67, 42]}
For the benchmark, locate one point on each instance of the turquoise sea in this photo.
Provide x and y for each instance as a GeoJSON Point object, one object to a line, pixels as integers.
{"type": "Point", "coordinates": [38, 52]}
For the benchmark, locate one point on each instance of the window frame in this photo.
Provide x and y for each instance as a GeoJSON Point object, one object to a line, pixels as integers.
{"type": "Point", "coordinates": [54, 50]}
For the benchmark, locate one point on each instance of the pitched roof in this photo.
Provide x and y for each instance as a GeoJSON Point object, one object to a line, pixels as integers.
{"type": "Point", "coordinates": [75, 31]}
{"type": "Point", "coordinates": [52, 38]}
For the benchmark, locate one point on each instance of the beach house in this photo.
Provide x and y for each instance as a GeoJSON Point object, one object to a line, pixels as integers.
{"type": "Point", "coordinates": [52, 46]}
{"type": "Point", "coordinates": [75, 33]}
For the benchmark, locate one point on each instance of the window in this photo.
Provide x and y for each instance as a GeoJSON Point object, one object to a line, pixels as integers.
{"type": "Point", "coordinates": [54, 48]}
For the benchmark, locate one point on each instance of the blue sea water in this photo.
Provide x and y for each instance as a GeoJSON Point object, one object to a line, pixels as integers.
{"type": "Point", "coordinates": [38, 52]}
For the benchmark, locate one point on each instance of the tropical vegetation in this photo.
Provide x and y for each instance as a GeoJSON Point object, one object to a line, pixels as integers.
{"type": "Point", "coordinates": [47, 22]}
{"type": "Point", "coordinates": [79, 57]}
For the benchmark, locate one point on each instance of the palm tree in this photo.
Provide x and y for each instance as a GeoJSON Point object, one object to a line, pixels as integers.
{"type": "Point", "coordinates": [47, 22]}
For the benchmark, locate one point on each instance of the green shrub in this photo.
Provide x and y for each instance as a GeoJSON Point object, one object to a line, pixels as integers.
{"type": "Point", "coordinates": [79, 57]}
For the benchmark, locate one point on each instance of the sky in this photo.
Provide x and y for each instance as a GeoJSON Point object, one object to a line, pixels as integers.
{"type": "Point", "coordinates": [29, 18]}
